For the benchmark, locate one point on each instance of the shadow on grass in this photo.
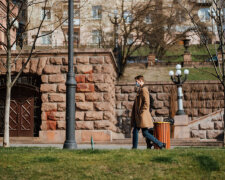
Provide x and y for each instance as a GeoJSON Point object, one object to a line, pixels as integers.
{"type": "Point", "coordinates": [46, 159]}
{"type": "Point", "coordinates": [207, 163]}
{"type": "Point", "coordinates": [90, 151]}
{"type": "Point", "coordinates": [163, 159]}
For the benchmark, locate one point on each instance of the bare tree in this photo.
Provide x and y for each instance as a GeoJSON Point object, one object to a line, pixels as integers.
{"type": "Point", "coordinates": [60, 12]}
{"type": "Point", "coordinates": [166, 27]}
{"type": "Point", "coordinates": [11, 18]}
{"type": "Point", "coordinates": [217, 15]}
{"type": "Point", "coordinates": [150, 24]}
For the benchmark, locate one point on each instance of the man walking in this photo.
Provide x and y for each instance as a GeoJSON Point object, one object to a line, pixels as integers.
{"type": "Point", "coordinates": [141, 117]}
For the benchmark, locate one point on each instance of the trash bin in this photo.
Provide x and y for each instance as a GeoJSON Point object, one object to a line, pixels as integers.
{"type": "Point", "coordinates": [162, 133]}
{"type": "Point", "coordinates": [171, 121]}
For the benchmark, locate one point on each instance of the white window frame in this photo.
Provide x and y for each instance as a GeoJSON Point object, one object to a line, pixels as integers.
{"type": "Point", "coordinates": [76, 18]}
{"type": "Point", "coordinates": [203, 14]}
{"type": "Point", "coordinates": [130, 39]}
{"type": "Point", "coordinates": [46, 40]}
{"type": "Point", "coordinates": [148, 19]}
{"type": "Point", "coordinates": [127, 17]}
{"type": "Point", "coordinates": [97, 12]}
{"type": "Point", "coordinates": [96, 37]}
{"type": "Point", "coordinates": [47, 10]}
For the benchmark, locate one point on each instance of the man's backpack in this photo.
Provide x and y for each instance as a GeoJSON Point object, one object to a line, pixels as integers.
{"type": "Point", "coordinates": [151, 103]}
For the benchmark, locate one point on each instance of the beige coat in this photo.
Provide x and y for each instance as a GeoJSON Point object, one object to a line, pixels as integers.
{"type": "Point", "coordinates": [140, 110]}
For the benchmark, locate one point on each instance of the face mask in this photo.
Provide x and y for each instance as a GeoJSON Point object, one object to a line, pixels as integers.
{"type": "Point", "coordinates": [138, 85]}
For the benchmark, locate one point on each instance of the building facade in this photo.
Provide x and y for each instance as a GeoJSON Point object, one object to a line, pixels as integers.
{"type": "Point", "coordinates": [94, 21]}
{"type": "Point", "coordinates": [3, 21]}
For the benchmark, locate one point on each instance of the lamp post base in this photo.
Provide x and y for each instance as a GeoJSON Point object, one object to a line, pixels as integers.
{"type": "Point", "coordinates": [180, 112]}
{"type": "Point", "coordinates": [69, 144]}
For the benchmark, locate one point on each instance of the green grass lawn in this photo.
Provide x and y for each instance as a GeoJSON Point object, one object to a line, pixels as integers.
{"type": "Point", "coordinates": [50, 163]}
{"type": "Point", "coordinates": [162, 73]}
{"type": "Point", "coordinates": [175, 53]}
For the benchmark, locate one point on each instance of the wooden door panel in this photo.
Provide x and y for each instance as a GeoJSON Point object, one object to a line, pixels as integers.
{"type": "Point", "coordinates": [26, 117]}
{"type": "Point", "coordinates": [21, 118]}
{"type": "Point", "coordinates": [13, 118]}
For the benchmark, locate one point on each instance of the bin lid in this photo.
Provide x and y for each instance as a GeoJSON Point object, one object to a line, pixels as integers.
{"type": "Point", "coordinates": [161, 122]}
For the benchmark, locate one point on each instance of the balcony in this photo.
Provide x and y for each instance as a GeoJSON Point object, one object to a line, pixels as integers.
{"type": "Point", "coordinates": [76, 22]}
{"type": "Point", "coordinates": [204, 2]}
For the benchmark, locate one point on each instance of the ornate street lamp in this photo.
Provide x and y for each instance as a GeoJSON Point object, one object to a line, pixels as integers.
{"type": "Point", "coordinates": [178, 80]}
{"type": "Point", "coordinates": [186, 45]}
{"type": "Point", "coordinates": [114, 19]}
{"type": "Point", "coordinates": [70, 142]}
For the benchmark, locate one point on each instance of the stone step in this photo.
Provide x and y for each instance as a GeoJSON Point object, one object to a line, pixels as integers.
{"type": "Point", "coordinates": [177, 142]}
{"type": "Point", "coordinates": [23, 140]}
{"type": "Point", "coordinates": [126, 141]}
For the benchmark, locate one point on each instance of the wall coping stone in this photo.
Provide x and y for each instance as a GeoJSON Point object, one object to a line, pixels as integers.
{"type": "Point", "coordinates": [55, 52]}
{"type": "Point", "coordinates": [168, 82]}
{"type": "Point", "coordinates": [205, 117]}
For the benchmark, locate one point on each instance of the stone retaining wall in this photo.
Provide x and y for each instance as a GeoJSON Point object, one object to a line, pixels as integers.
{"type": "Point", "coordinates": [103, 106]}
{"type": "Point", "coordinates": [95, 98]}
{"type": "Point", "coordinates": [208, 127]}
{"type": "Point", "coordinates": [200, 98]}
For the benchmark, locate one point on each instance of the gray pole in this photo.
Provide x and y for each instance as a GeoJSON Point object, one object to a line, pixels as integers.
{"type": "Point", "coordinates": [70, 142]}
{"type": "Point", "coordinates": [180, 101]}
{"type": "Point", "coordinates": [178, 81]}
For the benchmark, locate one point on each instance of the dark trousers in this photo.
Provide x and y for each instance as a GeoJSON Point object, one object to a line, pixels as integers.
{"type": "Point", "coordinates": [146, 134]}
{"type": "Point", "coordinates": [148, 142]}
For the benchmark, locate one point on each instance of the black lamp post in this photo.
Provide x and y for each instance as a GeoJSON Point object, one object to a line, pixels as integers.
{"type": "Point", "coordinates": [186, 45]}
{"type": "Point", "coordinates": [117, 50]}
{"type": "Point", "coordinates": [178, 80]}
{"type": "Point", "coordinates": [70, 142]}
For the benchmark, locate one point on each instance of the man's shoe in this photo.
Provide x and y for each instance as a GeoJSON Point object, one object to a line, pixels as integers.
{"type": "Point", "coordinates": [163, 146]}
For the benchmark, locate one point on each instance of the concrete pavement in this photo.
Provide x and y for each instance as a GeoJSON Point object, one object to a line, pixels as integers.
{"type": "Point", "coordinates": [80, 146]}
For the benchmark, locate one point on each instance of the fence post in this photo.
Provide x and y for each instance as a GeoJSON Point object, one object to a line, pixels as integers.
{"type": "Point", "coordinates": [151, 59]}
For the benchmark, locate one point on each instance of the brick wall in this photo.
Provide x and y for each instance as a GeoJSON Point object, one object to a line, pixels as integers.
{"type": "Point", "coordinates": [95, 98]}
{"type": "Point", "coordinates": [200, 98]}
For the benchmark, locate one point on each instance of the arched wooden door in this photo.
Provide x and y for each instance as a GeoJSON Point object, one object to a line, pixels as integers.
{"type": "Point", "coordinates": [24, 117]}
{"type": "Point", "coordinates": [21, 119]}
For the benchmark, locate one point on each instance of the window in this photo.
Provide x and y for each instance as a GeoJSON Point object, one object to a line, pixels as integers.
{"type": "Point", "coordinates": [181, 16]}
{"type": "Point", "coordinates": [203, 14]}
{"type": "Point", "coordinates": [96, 37]}
{"type": "Point", "coordinates": [76, 19]}
{"type": "Point", "coordinates": [47, 12]}
{"type": "Point", "coordinates": [130, 39]}
{"type": "Point", "coordinates": [76, 16]}
{"type": "Point", "coordinates": [76, 36]}
{"type": "Point", "coordinates": [76, 12]}
{"type": "Point", "coordinates": [204, 1]}
{"type": "Point", "coordinates": [127, 17]}
{"type": "Point", "coordinates": [181, 28]}
{"type": "Point", "coordinates": [47, 39]}
{"type": "Point", "coordinates": [97, 12]}
{"type": "Point", "coordinates": [148, 19]}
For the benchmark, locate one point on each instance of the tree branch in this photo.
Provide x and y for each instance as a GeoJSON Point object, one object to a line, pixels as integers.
{"type": "Point", "coordinates": [32, 49]}
{"type": "Point", "coordinates": [203, 42]}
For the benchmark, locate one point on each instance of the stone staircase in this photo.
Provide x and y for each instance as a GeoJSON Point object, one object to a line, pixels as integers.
{"type": "Point", "coordinates": [204, 131]}
{"type": "Point", "coordinates": [209, 127]}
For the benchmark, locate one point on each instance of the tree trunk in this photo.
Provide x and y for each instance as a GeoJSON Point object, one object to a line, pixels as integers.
{"type": "Point", "coordinates": [7, 101]}
{"type": "Point", "coordinates": [7, 113]}
{"type": "Point", "coordinates": [8, 80]}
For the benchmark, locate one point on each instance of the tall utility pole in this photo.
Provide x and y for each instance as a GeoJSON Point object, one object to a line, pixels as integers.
{"type": "Point", "coordinates": [70, 142]}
